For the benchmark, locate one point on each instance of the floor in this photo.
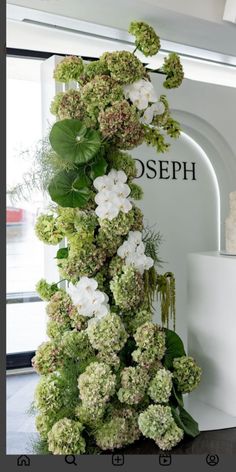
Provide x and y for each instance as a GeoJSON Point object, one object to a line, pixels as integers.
{"type": "Point", "coordinates": [21, 430]}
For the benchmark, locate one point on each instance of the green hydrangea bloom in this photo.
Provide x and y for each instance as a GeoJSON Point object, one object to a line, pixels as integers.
{"type": "Point", "coordinates": [90, 416]}
{"type": "Point", "coordinates": [138, 224]}
{"type": "Point", "coordinates": [55, 330]}
{"type": "Point", "coordinates": [70, 106]}
{"type": "Point", "coordinates": [120, 125]}
{"type": "Point", "coordinates": [47, 358]}
{"type": "Point", "coordinates": [160, 386]}
{"type": "Point", "coordinates": [51, 394]}
{"type": "Point", "coordinates": [85, 222]}
{"type": "Point", "coordinates": [136, 192]}
{"type": "Point", "coordinates": [108, 243]}
{"type": "Point", "coordinates": [45, 290]}
{"type": "Point", "coordinates": [60, 307]}
{"type": "Point", "coordinates": [119, 226]}
{"type": "Point", "coordinates": [77, 241]}
{"type": "Point", "coordinates": [150, 339]}
{"type": "Point", "coordinates": [47, 231]}
{"type": "Point", "coordinates": [65, 437]}
{"type": "Point", "coordinates": [155, 421]}
{"type": "Point", "coordinates": [108, 334]}
{"type": "Point", "coordinates": [56, 103]}
{"type": "Point", "coordinates": [137, 319]}
{"type": "Point", "coordinates": [116, 266]}
{"type": "Point", "coordinates": [94, 69]}
{"type": "Point", "coordinates": [146, 40]}
{"type": "Point", "coordinates": [66, 220]}
{"type": "Point", "coordinates": [96, 385]}
{"type": "Point", "coordinates": [102, 279]}
{"type": "Point", "coordinates": [128, 288]}
{"type": "Point", "coordinates": [134, 382]}
{"type": "Point", "coordinates": [123, 66]}
{"type": "Point", "coordinates": [76, 345]}
{"type": "Point", "coordinates": [101, 91]}
{"type": "Point", "coordinates": [70, 68]}
{"type": "Point", "coordinates": [174, 70]}
{"type": "Point", "coordinates": [187, 373]}
{"type": "Point", "coordinates": [85, 262]}
{"type": "Point", "coordinates": [78, 321]}
{"type": "Point", "coordinates": [147, 358]}
{"type": "Point", "coordinates": [150, 334]}
{"type": "Point", "coordinates": [119, 160]}
{"type": "Point", "coordinates": [171, 437]}
{"type": "Point", "coordinates": [44, 424]}
{"type": "Point", "coordinates": [110, 358]}
{"type": "Point", "coordinates": [117, 432]}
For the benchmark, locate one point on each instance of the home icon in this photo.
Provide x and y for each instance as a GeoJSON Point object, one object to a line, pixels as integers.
{"type": "Point", "coordinates": [23, 461]}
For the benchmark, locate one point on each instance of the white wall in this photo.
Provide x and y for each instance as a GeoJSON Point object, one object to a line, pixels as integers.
{"type": "Point", "coordinates": [187, 212]}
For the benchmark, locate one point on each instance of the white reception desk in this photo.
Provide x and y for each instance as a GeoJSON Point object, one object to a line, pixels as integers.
{"type": "Point", "coordinates": [212, 337]}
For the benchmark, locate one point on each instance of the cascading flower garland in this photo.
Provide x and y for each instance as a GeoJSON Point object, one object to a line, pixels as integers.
{"type": "Point", "coordinates": [109, 373]}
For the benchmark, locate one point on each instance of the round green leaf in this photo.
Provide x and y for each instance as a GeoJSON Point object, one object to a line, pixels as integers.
{"type": "Point", "coordinates": [73, 142]}
{"type": "Point", "coordinates": [67, 189]}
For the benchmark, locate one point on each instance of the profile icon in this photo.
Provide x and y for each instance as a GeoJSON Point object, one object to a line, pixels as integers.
{"type": "Point", "coordinates": [212, 459]}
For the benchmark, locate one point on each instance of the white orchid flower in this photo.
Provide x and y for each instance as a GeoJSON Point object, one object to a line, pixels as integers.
{"type": "Point", "coordinates": [87, 283]}
{"type": "Point", "coordinates": [141, 93]}
{"type": "Point", "coordinates": [104, 182]}
{"type": "Point", "coordinates": [125, 249]}
{"type": "Point", "coordinates": [117, 176]}
{"type": "Point", "coordinates": [135, 236]}
{"type": "Point", "coordinates": [125, 205]}
{"type": "Point", "coordinates": [133, 252]}
{"type": "Point", "coordinates": [154, 109]}
{"type": "Point", "coordinates": [121, 190]}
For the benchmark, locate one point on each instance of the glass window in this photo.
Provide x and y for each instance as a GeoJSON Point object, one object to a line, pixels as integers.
{"type": "Point", "coordinates": [25, 253]}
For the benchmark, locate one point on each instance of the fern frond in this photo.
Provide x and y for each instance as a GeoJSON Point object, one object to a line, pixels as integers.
{"type": "Point", "coordinates": [152, 241]}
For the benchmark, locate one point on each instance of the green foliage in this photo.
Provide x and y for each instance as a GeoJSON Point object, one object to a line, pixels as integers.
{"type": "Point", "coordinates": [119, 160]}
{"type": "Point", "coordinates": [166, 295]}
{"type": "Point", "coordinates": [62, 253]}
{"type": "Point", "coordinates": [75, 143]}
{"type": "Point", "coordinates": [98, 166]}
{"type": "Point", "coordinates": [153, 137]}
{"type": "Point", "coordinates": [152, 241]}
{"type": "Point", "coordinates": [174, 348]}
{"type": "Point", "coordinates": [136, 192]}
{"type": "Point", "coordinates": [185, 421]}
{"type": "Point", "coordinates": [69, 189]}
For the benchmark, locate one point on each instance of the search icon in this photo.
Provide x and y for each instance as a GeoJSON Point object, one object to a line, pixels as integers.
{"type": "Point", "coordinates": [70, 459]}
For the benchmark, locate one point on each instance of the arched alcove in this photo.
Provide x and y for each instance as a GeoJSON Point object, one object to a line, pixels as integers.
{"type": "Point", "coordinates": [182, 196]}
{"type": "Point", "coordinates": [220, 155]}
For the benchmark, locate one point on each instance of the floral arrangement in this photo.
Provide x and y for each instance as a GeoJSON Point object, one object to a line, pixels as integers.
{"type": "Point", "coordinates": [109, 374]}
